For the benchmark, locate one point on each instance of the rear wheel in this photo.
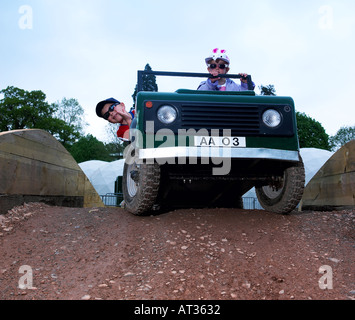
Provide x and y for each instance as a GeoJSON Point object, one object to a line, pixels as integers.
{"type": "Point", "coordinates": [284, 196]}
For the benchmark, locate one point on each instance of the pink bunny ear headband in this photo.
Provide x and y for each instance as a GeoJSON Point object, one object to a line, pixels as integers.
{"type": "Point", "coordinates": [218, 54]}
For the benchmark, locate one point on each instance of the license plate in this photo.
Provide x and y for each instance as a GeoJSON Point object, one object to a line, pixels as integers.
{"type": "Point", "coordinates": [229, 142]}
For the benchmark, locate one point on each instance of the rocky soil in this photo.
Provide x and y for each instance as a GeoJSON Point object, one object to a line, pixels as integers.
{"type": "Point", "coordinates": [55, 253]}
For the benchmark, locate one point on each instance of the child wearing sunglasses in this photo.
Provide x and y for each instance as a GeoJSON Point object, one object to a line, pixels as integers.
{"type": "Point", "coordinates": [218, 63]}
{"type": "Point", "coordinates": [115, 112]}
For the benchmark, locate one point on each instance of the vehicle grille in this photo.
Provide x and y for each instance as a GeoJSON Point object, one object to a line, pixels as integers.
{"type": "Point", "coordinates": [241, 120]}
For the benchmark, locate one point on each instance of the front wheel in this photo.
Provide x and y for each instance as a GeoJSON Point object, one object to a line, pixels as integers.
{"type": "Point", "coordinates": [140, 186]}
{"type": "Point", "coordinates": [286, 196]}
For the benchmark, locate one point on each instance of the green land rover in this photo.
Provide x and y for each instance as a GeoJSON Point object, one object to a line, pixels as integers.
{"type": "Point", "coordinates": [208, 148]}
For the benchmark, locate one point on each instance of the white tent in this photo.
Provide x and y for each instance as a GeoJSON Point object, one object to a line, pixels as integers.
{"type": "Point", "coordinates": [89, 167]}
{"type": "Point", "coordinates": [103, 175]}
{"type": "Point", "coordinates": [314, 160]}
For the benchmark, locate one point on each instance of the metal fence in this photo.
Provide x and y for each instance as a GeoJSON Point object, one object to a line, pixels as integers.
{"type": "Point", "coordinates": [250, 203]}
{"type": "Point", "coordinates": [112, 199]}
{"type": "Point", "coordinates": [115, 200]}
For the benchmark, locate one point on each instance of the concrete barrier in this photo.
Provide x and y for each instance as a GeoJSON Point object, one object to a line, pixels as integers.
{"type": "Point", "coordinates": [333, 187]}
{"type": "Point", "coordinates": [35, 167]}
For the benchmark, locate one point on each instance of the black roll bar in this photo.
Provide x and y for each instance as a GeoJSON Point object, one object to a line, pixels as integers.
{"type": "Point", "coordinates": [141, 73]}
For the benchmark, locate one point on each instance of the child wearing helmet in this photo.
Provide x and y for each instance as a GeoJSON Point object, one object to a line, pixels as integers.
{"type": "Point", "coordinates": [218, 63]}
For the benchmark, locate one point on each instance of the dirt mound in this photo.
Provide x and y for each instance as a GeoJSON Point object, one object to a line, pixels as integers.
{"type": "Point", "coordinates": [56, 253]}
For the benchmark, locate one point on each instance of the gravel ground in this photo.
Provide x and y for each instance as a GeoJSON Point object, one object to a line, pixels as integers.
{"type": "Point", "coordinates": [194, 254]}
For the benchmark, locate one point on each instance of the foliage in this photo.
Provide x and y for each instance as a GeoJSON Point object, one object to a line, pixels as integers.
{"type": "Point", "coordinates": [115, 149]}
{"type": "Point", "coordinates": [311, 133]}
{"type": "Point", "coordinates": [22, 109]}
{"type": "Point", "coordinates": [268, 90]}
{"type": "Point", "coordinates": [113, 144]}
{"type": "Point", "coordinates": [89, 148]}
{"type": "Point", "coordinates": [342, 137]}
{"type": "Point", "coordinates": [70, 111]}
{"type": "Point", "coordinates": [149, 83]}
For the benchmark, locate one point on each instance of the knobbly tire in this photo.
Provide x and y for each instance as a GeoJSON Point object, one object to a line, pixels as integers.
{"type": "Point", "coordinates": [284, 199]}
{"type": "Point", "coordinates": [140, 185]}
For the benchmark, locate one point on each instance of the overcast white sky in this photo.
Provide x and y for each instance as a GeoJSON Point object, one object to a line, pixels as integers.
{"type": "Point", "coordinates": [91, 50]}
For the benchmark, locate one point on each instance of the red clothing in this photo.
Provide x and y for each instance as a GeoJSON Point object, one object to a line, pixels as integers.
{"type": "Point", "coordinates": [122, 130]}
{"type": "Point", "coordinates": [124, 127]}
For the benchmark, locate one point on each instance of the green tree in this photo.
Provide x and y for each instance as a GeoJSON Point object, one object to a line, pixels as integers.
{"type": "Point", "coordinates": [113, 144]}
{"type": "Point", "coordinates": [70, 111]}
{"type": "Point", "coordinates": [342, 137]}
{"type": "Point", "coordinates": [149, 83]}
{"type": "Point", "coordinates": [21, 109]}
{"type": "Point", "coordinates": [311, 133]}
{"type": "Point", "coordinates": [268, 90]}
{"type": "Point", "coordinates": [89, 148]}
{"type": "Point", "coordinates": [60, 130]}
{"type": "Point", "coordinates": [115, 150]}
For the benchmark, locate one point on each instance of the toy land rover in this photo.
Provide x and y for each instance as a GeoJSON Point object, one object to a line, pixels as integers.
{"type": "Point", "coordinates": [208, 148]}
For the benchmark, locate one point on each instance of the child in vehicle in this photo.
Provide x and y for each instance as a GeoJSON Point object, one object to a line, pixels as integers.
{"type": "Point", "coordinates": [218, 63]}
{"type": "Point", "coordinates": [115, 112]}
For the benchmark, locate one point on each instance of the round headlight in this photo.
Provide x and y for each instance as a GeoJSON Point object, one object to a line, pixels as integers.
{"type": "Point", "coordinates": [167, 114]}
{"type": "Point", "coordinates": [272, 118]}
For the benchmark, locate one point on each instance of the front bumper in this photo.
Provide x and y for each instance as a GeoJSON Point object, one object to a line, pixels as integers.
{"type": "Point", "coordinates": [219, 153]}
